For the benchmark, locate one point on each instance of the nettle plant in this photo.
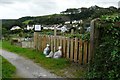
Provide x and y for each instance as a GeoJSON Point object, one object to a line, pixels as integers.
{"type": "Point", "coordinates": [106, 63]}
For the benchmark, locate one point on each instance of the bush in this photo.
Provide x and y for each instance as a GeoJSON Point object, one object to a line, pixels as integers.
{"type": "Point", "coordinates": [106, 61]}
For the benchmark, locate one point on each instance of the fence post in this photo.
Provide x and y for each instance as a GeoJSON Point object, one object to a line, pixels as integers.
{"type": "Point", "coordinates": [71, 50]}
{"type": "Point", "coordinates": [76, 49]}
{"type": "Point", "coordinates": [52, 43]}
{"type": "Point", "coordinates": [85, 53]}
{"type": "Point", "coordinates": [68, 47]}
{"type": "Point", "coordinates": [93, 35]}
{"type": "Point", "coordinates": [61, 42]}
{"type": "Point", "coordinates": [36, 34]}
{"type": "Point", "coordinates": [58, 42]}
{"type": "Point", "coordinates": [49, 40]}
{"type": "Point", "coordinates": [64, 46]}
{"type": "Point", "coordinates": [40, 43]}
{"type": "Point", "coordinates": [89, 52]}
{"type": "Point", "coordinates": [55, 30]}
{"type": "Point", "coordinates": [72, 31]}
{"type": "Point", "coordinates": [45, 41]}
{"type": "Point", "coordinates": [80, 51]}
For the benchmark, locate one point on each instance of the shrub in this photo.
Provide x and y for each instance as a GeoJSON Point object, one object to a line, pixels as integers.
{"type": "Point", "coordinates": [106, 61]}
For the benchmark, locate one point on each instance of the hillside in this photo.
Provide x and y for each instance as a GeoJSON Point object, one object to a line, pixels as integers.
{"type": "Point", "coordinates": [85, 14]}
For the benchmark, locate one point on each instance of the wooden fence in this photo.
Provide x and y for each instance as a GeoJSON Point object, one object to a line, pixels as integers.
{"type": "Point", "coordinates": [76, 50]}
{"type": "Point", "coordinates": [72, 48]}
{"type": "Point", "coordinates": [27, 44]}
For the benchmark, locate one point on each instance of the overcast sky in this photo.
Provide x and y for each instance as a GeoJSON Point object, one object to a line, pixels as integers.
{"type": "Point", "coordinates": [14, 9]}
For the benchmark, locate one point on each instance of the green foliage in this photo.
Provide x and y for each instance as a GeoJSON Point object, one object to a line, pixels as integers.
{"type": "Point", "coordinates": [8, 70]}
{"type": "Point", "coordinates": [106, 61]}
{"type": "Point", "coordinates": [27, 22]}
{"type": "Point", "coordinates": [47, 32]}
{"type": "Point", "coordinates": [85, 36]}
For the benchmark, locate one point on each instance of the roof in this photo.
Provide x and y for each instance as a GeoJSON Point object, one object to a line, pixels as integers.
{"type": "Point", "coordinates": [15, 27]}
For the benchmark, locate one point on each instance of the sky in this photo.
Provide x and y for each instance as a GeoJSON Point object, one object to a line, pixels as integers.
{"type": "Point", "coordinates": [14, 9]}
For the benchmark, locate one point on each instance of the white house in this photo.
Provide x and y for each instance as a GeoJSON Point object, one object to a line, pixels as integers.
{"type": "Point", "coordinates": [67, 22]}
{"type": "Point", "coordinates": [73, 22]}
{"type": "Point", "coordinates": [46, 28]}
{"type": "Point", "coordinates": [77, 21]}
{"type": "Point", "coordinates": [30, 27]}
{"type": "Point", "coordinates": [59, 27]}
{"type": "Point", "coordinates": [64, 29]}
{"type": "Point", "coordinates": [15, 28]}
{"type": "Point", "coordinates": [51, 27]}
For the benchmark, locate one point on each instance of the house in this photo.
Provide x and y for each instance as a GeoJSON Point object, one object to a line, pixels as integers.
{"type": "Point", "coordinates": [30, 27]}
{"type": "Point", "coordinates": [67, 22]}
{"type": "Point", "coordinates": [77, 21]}
{"type": "Point", "coordinates": [58, 27]}
{"type": "Point", "coordinates": [64, 28]}
{"type": "Point", "coordinates": [74, 22]}
{"type": "Point", "coordinates": [46, 27]}
{"type": "Point", "coordinates": [15, 28]}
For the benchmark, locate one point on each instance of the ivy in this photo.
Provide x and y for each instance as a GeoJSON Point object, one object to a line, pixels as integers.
{"type": "Point", "coordinates": [106, 62]}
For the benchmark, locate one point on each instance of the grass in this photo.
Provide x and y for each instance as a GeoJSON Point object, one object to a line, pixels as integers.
{"type": "Point", "coordinates": [0, 61]}
{"type": "Point", "coordinates": [0, 44]}
{"type": "Point", "coordinates": [57, 66]}
{"type": "Point", "coordinates": [0, 67]}
{"type": "Point", "coordinates": [8, 70]}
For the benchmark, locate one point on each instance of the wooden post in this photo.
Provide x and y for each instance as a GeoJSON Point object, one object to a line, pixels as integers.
{"type": "Point", "coordinates": [51, 43]}
{"type": "Point", "coordinates": [88, 52]}
{"type": "Point", "coordinates": [61, 44]}
{"type": "Point", "coordinates": [92, 38]}
{"type": "Point", "coordinates": [71, 52]}
{"type": "Point", "coordinates": [55, 30]}
{"type": "Point", "coordinates": [75, 49]}
{"type": "Point", "coordinates": [48, 39]}
{"type": "Point", "coordinates": [80, 51]}
{"type": "Point", "coordinates": [68, 47]}
{"type": "Point", "coordinates": [45, 41]}
{"type": "Point", "coordinates": [85, 53]}
{"type": "Point", "coordinates": [54, 38]}
{"type": "Point", "coordinates": [72, 31]}
{"type": "Point", "coordinates": [58, 42]}
{"type": "Point", "coordinates": [36, 34]}
{"type": "Point", "coordinates": [40, 42]}
{"type": "Point", "coordinates": [64, 47]}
